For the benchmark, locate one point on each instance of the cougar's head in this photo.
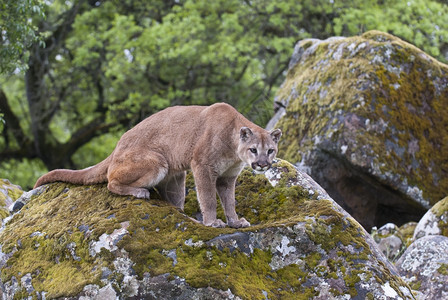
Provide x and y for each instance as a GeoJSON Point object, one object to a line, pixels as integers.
{"type": "Point", "coordinates": [258, 148]}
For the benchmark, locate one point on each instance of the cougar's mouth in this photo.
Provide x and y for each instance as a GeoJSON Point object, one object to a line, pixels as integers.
{"type": "Point", "coordinates": [260, 169]}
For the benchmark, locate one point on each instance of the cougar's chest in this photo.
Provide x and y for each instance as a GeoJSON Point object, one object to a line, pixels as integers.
{"type": "Point", "coordinates": [229, 168]}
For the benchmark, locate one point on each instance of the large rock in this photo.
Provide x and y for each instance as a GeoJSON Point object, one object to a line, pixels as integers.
{"type": "Point", "coordinates": [424, 265]}
{"type": "Point", "coordinates": [87, 243]}
{"type": "Point", "coordinates": [434, 222]}
{"type": "Point", "coordinates": [393, 240]}
{"type": "Point", "coordinates": [389, 240]}
{"type": "Point", "coordinates": [407, 232]}
{"type": "Point", "coordinates": [366, 117]}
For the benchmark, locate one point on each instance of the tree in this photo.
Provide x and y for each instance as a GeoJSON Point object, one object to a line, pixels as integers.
{"type": "Point", "coordinates": [105, 65]}
{"type": "Point", "coordinates": [17, 32]}
{"type": "Point", "coordinates": [108, 65]}
{"type": "Point", "coordinates": [420, 22]}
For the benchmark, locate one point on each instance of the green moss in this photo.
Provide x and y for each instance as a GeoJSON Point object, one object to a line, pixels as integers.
{"type": "Point", "coordinates": [8, 190]}
{"type": "Point", "coordinates": [350, 281]}
{"type": "Point", "coordinates": [416, 285]}
{"type": "Point", "coordinates": [333, 229]}
{"type": "Point", "coordinates": [53, 265]}
{"type": "Point", "coordinates": [246, 276]}
{"type": "Point", "coordinates": [401, 104]}
{"type": "Point", "coordinates": [406, 231]}
{"type": "Point", "coordinates": [164, 228]}
{"type": "Point", "coordinates": [223, 270]}
{"type": "Point", "coordinates": [440, 209]}
{"type": "Point", "coordinates": [313, 260]}
{"type": "Point", "coordinates": [259, 202]}
{"type": "Point", "coordinates": [443, 269]}
{"type": "Point", "coordinates": [3, 213]}
{"type": "Point", "coordinates": [23, 294]}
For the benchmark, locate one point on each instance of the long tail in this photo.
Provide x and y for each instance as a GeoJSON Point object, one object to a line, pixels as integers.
{"type": "Point", "coordinates": [91, 175]}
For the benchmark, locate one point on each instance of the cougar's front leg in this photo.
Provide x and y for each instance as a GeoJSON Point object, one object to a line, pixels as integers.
{"type": "Point", "coordinates": [226, 192]}
{"type": "Point", "coordinates": [206, 189]}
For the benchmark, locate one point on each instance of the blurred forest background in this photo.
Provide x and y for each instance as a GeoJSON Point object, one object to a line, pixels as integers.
{"type": "Point", "coordinates": [75, 74]}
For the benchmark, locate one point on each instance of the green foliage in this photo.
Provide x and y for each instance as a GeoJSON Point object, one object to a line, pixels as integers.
{"type": "Point", "coordinates": [92, 153]}
{"type": "Point", "coordinates": [197, 53]}
{"type": "Point", "coordinates": [109, 64]}
{"type": "Point", "coordinates": [420, 22]}
{"type": "Point", "coordinates": [17, 31]}
{"type": "Point", "coordinates": [22, 172]}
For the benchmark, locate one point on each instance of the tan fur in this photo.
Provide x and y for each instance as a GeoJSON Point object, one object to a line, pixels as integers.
{"type": "Point", "coordinates": [215, 142]}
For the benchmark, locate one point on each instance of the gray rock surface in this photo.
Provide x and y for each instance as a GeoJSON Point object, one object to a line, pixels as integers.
{"type": "Point", "coordinates": [434, 222]}
{"type": "Point", "coordinates": [424, 266]}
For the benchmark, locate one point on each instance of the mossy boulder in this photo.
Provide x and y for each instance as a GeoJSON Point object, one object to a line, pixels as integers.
{"type": "Point", "coordinates": [73, 241]}
{"type": "Point", "coordinates": [366, 117]}
{"type": "Point", "coordinates": [434, 222]}
{"type": "Point", "coordinates": [424, 265]}
{"type": "Point", "coordinates": [393, 240]}
{"type": "Point", "coordinates": [8, 194]}
{"type": "Point", "coordinates": [407, 232]}
{"type": "Point", "coordinates": [389, 240]}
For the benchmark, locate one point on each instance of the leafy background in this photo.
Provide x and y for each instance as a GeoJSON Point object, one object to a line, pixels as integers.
{"type": "Point", "coordinates": [76, 74]}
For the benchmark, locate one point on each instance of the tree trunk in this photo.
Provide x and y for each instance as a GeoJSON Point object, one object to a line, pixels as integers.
{"type": "Point", "coordinates": [41, 108]}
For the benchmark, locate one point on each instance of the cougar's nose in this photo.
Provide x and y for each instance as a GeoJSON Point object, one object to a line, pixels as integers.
{"type": "Point", "coordinates": [260, 165]}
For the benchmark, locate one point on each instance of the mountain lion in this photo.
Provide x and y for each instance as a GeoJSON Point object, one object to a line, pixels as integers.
{"type": "Point", "coordinates": [215, 142]}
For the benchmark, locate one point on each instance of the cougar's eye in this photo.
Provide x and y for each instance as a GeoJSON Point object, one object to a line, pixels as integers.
{"type": "Point", "coordinates": [253, 150]}
{"type": "Point", "coordinates": [270, 151]}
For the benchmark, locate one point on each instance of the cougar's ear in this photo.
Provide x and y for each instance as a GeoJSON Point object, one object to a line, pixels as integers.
{"type": "Point", "coordinates": [245, 133]}
{"type": "Point", "coordinates": [276, 134]}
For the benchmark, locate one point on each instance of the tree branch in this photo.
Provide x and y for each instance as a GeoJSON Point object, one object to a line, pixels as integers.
{"type": "Point", "coordinates": [83, 135]}
{"type": "Point", "coordinates": [24, 152]}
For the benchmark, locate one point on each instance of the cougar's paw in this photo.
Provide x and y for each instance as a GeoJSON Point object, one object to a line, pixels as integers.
{"type": "Point", "coordinates": [218, 223]}
{"type": "Point", "coordinates": [141, 193]}
{"type": "Point", "coordinates": [239, 223]}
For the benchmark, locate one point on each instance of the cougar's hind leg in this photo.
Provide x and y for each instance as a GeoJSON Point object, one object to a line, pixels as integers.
{"type": "Point", "coordinates": [172, 189]}
{"type": "Point", "coordinates": [132, 173]}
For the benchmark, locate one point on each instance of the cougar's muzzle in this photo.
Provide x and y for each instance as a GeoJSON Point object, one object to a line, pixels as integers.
{"type": "Point", "coordinates": [260, 166]}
